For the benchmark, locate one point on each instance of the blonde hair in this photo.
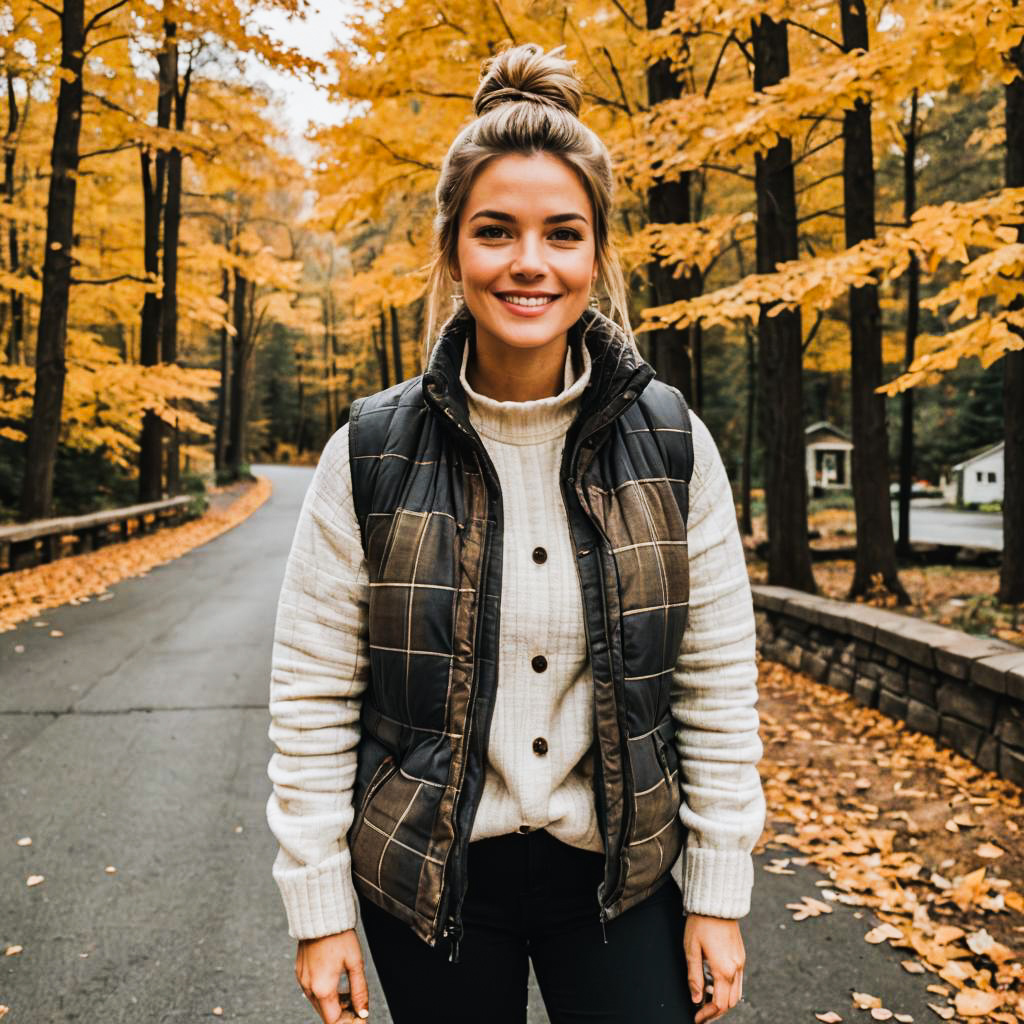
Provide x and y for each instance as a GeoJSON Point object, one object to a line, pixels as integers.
{"type": "Point", "coordinates": [527, 102]}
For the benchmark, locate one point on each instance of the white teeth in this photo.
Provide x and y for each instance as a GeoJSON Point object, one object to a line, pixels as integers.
{"type": "Point", "coordinates": [519, 300]}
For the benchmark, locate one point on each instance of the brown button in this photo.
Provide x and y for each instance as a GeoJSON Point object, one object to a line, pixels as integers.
{"type": "Point", "coordinates": [540, 745]}
{"type": "Point", "coordinates": [539, 663]}
{"type": "Point", "coordinates": [540, 556]}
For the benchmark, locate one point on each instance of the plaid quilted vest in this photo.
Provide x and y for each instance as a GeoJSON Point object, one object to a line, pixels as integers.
{"type": "Point", "coordinates": [430, 511]}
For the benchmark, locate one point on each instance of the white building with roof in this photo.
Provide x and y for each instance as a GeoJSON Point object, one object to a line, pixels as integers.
{"type": "Point", "coordinates": [979, 478]}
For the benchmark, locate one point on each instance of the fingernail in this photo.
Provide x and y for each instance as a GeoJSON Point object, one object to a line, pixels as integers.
{"type": "Point", "coordinates": [364, 1014]}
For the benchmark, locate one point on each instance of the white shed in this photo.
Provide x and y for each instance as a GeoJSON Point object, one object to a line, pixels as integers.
{"type": "Point", "coordinates": [979, 478]}
{"type": "Point", "coordinates": [829, 451]}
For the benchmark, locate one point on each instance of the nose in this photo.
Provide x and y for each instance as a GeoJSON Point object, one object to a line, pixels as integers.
{"type": "Point", "coordinates": [528, 258]}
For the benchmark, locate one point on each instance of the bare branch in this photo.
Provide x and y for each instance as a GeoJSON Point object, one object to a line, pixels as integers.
{"type": "Point", "coordinates": [111, 280]}
{"type": "Point", "coordinates": [618, 80]}
{"type": "Point", "coordinates": [814, 32]}
{"type": "Point", "coordinates": [629, 17]}
{"type": "Point", "coordinates": [504, 21]}
{"type": "Point", "coordinates": [399, 157]}
{"type": "Point", "coordinates": [107, 152]}
{"type": "Point", "coordinates": [94, 21]}
{"type": "Point", "coordinates": [718, 63]}
{"type": "Point", "coordinates": [103, 42]}
{"type": "Point", "coordinates": [52, 10]}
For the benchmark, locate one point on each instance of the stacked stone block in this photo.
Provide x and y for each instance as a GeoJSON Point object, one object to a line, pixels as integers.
{"type": "Point", "coordinates": [966, 691]}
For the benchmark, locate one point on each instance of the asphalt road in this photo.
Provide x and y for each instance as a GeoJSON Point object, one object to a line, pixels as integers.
{"type": "Point", "coordinates": [138, 739]}
{"type": "Point", "coordinates": [933, 522]}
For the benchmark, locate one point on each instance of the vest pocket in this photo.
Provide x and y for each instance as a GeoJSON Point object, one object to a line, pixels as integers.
{"type": "Point", "coordinates": [657, 834]}
{"type": "Point", "coordinates": [390, 838]}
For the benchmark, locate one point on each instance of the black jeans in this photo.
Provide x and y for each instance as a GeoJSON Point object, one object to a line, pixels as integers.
{"type": "Point", "coordinates": [534, 896]}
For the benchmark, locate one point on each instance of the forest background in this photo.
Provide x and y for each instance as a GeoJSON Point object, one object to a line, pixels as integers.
{"type": "Point", "coordinates": [819, 213]}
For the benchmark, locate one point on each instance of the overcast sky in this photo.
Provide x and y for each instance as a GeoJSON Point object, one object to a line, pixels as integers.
{"type": "Point", "coordinates": [314, 36]}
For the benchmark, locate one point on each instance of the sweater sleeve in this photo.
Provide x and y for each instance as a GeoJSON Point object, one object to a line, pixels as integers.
{"type": "Point", "coordinates": [319, 670]}
{"type": "Point", "coordinates": [714, 697]}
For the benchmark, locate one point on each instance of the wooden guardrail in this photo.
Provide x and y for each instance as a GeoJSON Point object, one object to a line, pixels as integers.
{"type": "Point", "coordinates": [25, 544]}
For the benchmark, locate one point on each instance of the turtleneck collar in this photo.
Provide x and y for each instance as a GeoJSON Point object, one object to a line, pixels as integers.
{"type": "Point", "coordinates": [534, 421]}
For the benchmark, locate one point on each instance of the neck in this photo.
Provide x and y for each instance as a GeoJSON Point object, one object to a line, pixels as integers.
{"type": "Point", "coordinates": [509, 374]}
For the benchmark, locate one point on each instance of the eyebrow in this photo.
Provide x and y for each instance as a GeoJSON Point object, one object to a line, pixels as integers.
{"type": "Point", "coordinates": [555, 218]}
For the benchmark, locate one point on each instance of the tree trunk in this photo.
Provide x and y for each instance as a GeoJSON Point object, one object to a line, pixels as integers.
{"type": "Point", "coordinates": [668, 202]}
{"type": "Point", "coordinates": [746, 514]}
{"type": "Point", "coordinates": [1011, 573]}
{"type": "Point", "coordinates": [780, 348]}
{"type": "Point", "coordinates": [150, 339]}
{"type": "Point", "coordinates": [913, 323]}
{"type": "Point", "coordinates": [220, 435]}
{"type": "Point", "coordinates": [51, 339]}
{"type": "Point", "coordinates": [172, 233]}
{"type": "Point", "coordinates": [381, 341]}
{"type": "Point", "coordinates": [875, 551]}
{"type": "Point", "coordinates": [396, 347]}
{"type": "Point", "coordinates": [16, 338]}
{"type": "Point", "coordinates": [239, 381]}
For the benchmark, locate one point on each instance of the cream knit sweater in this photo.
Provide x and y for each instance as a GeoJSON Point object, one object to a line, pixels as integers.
{"type": "Point", "coordinates": [320, 669]}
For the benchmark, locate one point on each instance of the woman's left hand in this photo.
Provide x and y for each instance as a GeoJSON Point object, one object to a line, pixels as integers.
{"type": "Point", "coordinates": [716, 941]}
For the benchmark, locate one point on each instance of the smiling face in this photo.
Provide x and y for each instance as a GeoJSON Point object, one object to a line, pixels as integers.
{"type": "Point", "coordinates": [526, 251]}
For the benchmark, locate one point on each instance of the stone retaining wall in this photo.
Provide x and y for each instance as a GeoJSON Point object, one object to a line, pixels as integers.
{"type": "Point", "coordinates": [966, 691]}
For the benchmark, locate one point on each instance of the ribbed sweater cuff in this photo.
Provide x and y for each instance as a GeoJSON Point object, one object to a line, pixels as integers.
{"type": "Point", "coordinates": [717, 882]}
{"type": "Point", "coordinates": [319, 900]}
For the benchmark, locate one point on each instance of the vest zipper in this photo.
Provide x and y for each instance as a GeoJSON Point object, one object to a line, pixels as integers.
{"type": "Point", "coordinates": [659, 748]}
{"type": "Point", "coordinates": [454, 926]}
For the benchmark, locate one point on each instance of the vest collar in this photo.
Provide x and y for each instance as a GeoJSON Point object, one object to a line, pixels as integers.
{"type": "Point", "coordinates": [617, 377]}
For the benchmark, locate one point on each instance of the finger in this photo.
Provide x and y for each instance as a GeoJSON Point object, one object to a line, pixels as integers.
{"type": "Point", "coordinates": [328, 1005]}
{"type": "Point", "coordinates": [695, 973]}
{"type": "Point", "coordinates": [359, 990]}
{"type": "Point", "coordinates": [722, 988]}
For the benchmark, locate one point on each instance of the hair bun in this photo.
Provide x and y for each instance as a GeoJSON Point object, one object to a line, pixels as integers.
{"type": "Point", "coordinates": [527, 73]}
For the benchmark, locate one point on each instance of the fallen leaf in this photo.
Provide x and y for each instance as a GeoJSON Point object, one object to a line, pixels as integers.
{"type": "Point", "coordinates": [863, 1001]}
{"type": "Point", "coordinates": [980, 941]}
{"type": "Point", "coordinates": [13, 950]}
{"type": "Point", "coordinates": [939, 990]}
{"type": "Point", "coordinates": [989, 850]}
{"type": "Point", "coordinates": [912, 966]}
{"type": "Point", "coordinates": [883, 932]}
{"type": "Point", "coordinates": [56, 632]}
{"type": "Point", "coordinates": [881, 1013]}
{"type": "Point", "coordinates": [218, 1011]}
{"type": "Point", "coordinates": [110, 869]}
{"type": "Point", "coordinates": [19, 648]}
{"type": "Point", "coordinates": [25, 841]}
{"type": "Point", "coordinates": [829, 1018]}
{"type": "Point", "coordinates": [945, 1012]}
{"type": "Point", "coordinates": [964, 821]}
{"type": "Point", "coordinates": [34, 879]}
{"type": "Point", "coordinates": [948, 933]}
{"type": "Point", "coordinates": [968, 889]}
{"type": "Point", "coordinates": [952, 826]}
{"type": "Point", "coordinates": [4, 1010]}
{"type": "Point", "coordinates": [904, 1018]}
{"type": "Point", "coordinates": [972, 1002]}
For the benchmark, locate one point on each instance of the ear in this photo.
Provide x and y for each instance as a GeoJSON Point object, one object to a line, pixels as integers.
{"type": "Point", "coordinates": [454, 272]}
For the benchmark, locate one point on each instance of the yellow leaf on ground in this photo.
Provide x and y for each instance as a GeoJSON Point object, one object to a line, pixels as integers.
{"type": "Point", "coordinates": [972, 1002]}
{"type": "Point", "coordinates": [34, 879]}
{"type": "Point", "coordinates": [989, 850]}
{"type": "Point", "coordinates": [904, 1018]}
{"type": "Point", "coordinates": [939, 990]}
{"type": "Point", "coordinates": [863, 1001]}
{"type": "Point", "coordinates": [829, 1018]}
{"type": "Point", "coordinates": [883, 932]}
{"type": "Point", "coordinates": [948, 933]}
{"type": "Point", "coordinates": [912, 966]}
{"type": "Point", "coordinates": [25, 841]}
{"type": "Point", "coordinates": [881, 1013]}
{"type": "Point", "coordinates": [13, 950]}
{"type": "Point", "coordinates": [945, 1012]}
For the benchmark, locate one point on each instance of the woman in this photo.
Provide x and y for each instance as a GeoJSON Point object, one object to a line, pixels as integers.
{"type": "Point", "coordinates": [514, 667]}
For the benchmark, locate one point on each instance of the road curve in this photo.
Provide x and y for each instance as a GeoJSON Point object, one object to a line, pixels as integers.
{"type": "Point", "coordinates": [138, 740]}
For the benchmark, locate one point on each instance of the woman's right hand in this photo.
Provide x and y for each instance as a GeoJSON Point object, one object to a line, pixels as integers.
{"type": "Point", "coordinates": [319, 964]}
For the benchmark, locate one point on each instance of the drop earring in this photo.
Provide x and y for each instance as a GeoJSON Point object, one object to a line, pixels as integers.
{"type": "Point", "coordinates": [594, 302]}
{"type": "Point", "coordinates": [457, 297]}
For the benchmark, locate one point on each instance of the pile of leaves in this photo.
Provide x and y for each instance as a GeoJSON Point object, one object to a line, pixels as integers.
{"type": "Point", "coordinates": [920, 836]}
{"type": "Point", "coordinates": [27, 592]}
